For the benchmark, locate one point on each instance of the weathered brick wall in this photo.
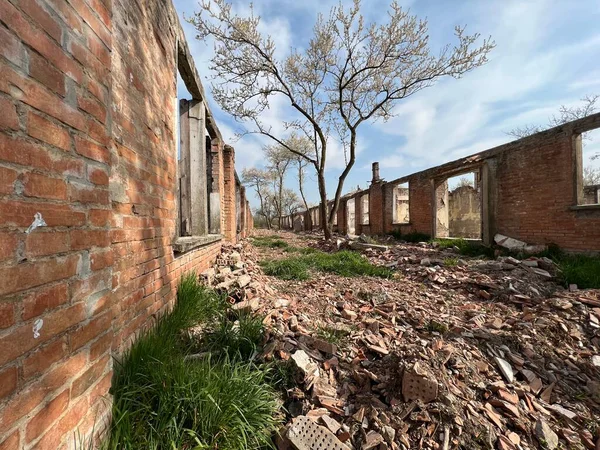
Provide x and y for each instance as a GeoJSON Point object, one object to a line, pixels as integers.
{"type": "Point", "coordinates": [531, 190]}
{"type": "Point", "coordinates": [87, 139]}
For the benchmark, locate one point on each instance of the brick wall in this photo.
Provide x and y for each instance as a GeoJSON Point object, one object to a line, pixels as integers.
{"type": "Point", "coordinates": [87, 140]}
{"type": "Point", "coordinates": [532, 190]}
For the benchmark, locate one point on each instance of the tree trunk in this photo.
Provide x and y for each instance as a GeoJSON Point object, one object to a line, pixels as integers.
{"type": "Point", "coordinates": [326, 224]}
{"type": "Point", "coordinates": [301, 185]}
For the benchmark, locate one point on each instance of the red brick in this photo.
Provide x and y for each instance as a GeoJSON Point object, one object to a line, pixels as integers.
{"type": "Point", "coordinates": [7, 180]}
{"type": "Point", "coordinates": [12, 442]}
{"type": "Point", "coordinates": [101, 259]}
{"type": "Point", "coordinates": [93, 107]}
{"type": "Point", "coordinates": [90, 331]}
{"type": "Point", "coordinates": [88, 16]}
{"type": "Point", "coordinates": [66, 11]}
{"type": "Point", "coordinates": [45, 300]}
{"type": "Point", "coordinates": [46, 243]}
{"type": "Point", "coordinates": [21, 340]}
{"type": "Point", "coordinates": [89, 377]}
{"type": "Point", "coordinates": [7, 315]}
{"type": "Point", "coordinates": [91, 150]}
{"type": "Point", "coordinates": [101, 346]}
{"type": "Point", "coordinates": [44, 72]}
{"type": "Point", "coordinates": [84, 239]}
{"type": "Point", "coordinates": [97, 176]}
{"type": "Point", "coordinates": [28, 275]}
{"type": "Point", "coordinates": [8, 382]}
{"type": "Point", "coordinates": [42, 359]}
{"type": "Point", "coordinates": [8, 119]}
{"type": "Point", "coordinates": [39, 41]}
{"type": "Point", "coordinates": [21, 214]}
{"type": "Point", "coordinates": [41, 186]}
{"type": "Point", "coordinates": [87, 194]}
{"type": "Point", "coordinates": [98, 71]}
{"type": "Point", "coordinates": [47, 416]}
{"type": "Point", "coordinates": [44, 130]}
{"type": "Point", "coordinates": [100, 217]}
{"type": "Point", "coordinates": [26, 153]}
{"type": "Point", "coordinates": [8, 246]}
{"type": "Point", "coordinates": [64, 426]}
{"type": "Point", "coordinates": [11, 48]}
{"type": "Point", "coordinates": [42, 18]}
{"type": "Point", "coordinates": [37, 96]}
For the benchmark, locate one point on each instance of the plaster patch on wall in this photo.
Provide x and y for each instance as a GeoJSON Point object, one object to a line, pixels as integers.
{"type": "Point", "coordinates": [38, 221]}
{"type": "Point", "coordinates": [37, 326]}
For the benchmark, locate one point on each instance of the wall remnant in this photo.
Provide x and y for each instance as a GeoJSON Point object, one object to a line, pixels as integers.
{"type": "Point", "coordinates": [530, 189]}
{"type": "Point", "coordinates": [88, 145]}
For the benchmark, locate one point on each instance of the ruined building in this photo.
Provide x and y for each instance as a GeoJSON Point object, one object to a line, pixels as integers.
{"type": "Point", "coordinates": [531, 189]}
{"type": "Point", "coordinates": [110, 190]}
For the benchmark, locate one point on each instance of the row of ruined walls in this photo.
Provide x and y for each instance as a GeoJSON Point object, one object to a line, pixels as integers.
{"type": "Point", "coordinates": [89, 203]}
{"type": "Point", "coordinates": [530, 189]}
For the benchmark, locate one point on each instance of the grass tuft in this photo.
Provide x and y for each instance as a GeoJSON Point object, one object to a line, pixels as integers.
{"type": "Point", "coordinates": [466, 248]}
{"type": "Point", "coordinates": [582, 270]}
{"type": "Point", "coordinates": [164, 401]}
{"type": "Point", "coordinates": [272, 241]}
{"type": "Point", "coordinates": [344, 263]}
{"type": "Point", "coordinates": [236, 340]}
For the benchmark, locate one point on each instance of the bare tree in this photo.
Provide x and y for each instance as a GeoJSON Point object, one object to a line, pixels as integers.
{"type": "Point", "coordinates": [591, 176]}
{"type": "Point", "coordinates": [349, 73]}
{"type": "Point", "coordinates": [260, 181]}
{"type": "Point", "coordinates": [279, 160]}
{"type": "Point", "coordinates": [565, 114]}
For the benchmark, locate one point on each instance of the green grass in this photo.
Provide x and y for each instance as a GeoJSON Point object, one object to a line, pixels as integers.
{"type": "Point", "coordinates": [582, 270]}
{"type": "Point", "coordinates": [344, 263]}
{"type": "Point", "coordinates": [332, 335]}
{"type": "Point", "coordinates": [163, 400]}
{"type": "Point", "coordinates": [466, 248]}
{"type": "Point", "coordinates": [451, 262]}
{"type": "Point", "coordinates": [237, 340]}
{"type": "Point", "coordinates": [272, 241]}
{"type": "Point", "coordinates": [413, 237]}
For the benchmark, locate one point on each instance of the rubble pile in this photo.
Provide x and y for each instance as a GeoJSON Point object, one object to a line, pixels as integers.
{"type": "Point", "coordinates": [453, 353]}
{"type": "Point", "coordinates": [239, 277]}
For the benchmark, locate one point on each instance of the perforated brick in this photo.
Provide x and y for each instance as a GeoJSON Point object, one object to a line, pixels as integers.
{"type": "Point", "coordinates": [304, 434]}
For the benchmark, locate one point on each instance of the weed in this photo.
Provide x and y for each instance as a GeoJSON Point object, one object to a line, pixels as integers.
{"type": "Point", "coordinates": [293, 268]}
{"type": "Point", "coordinates": [163, 400]}
{"type": "Point", "coordinates": [465, 247]}
{"type": "Point", "coordinates": [344, 263]}
{"type": "Point", "coordinates": [413, 237]}
{"type": "Point", "coordinates": [281, 374]}
{"type": "Point", "coordinates": [437, 327]}
{"type": "Point", "coordinates": [332, 335]}
{"type": "Point", "coordinates": [451, 262]}
{"type": "Point", "coordinates": [270, 242]}
{"type": "Point", "coordinates": [239, 339]}
{"type": "Point", "coordinates": [582, 270]}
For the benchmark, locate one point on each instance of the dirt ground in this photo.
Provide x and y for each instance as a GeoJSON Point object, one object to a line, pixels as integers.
{"type": "Point", "coordinates": [450, 352]}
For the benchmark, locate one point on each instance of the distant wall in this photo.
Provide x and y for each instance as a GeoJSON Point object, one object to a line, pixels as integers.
{"type": "Point", "coordinates": [531, 189]}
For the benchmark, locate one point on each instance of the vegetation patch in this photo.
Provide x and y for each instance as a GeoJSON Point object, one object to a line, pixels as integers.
{"type": "Point", "coordinates": [582, 270]}
{"type": "Point", "coordinates": [163, 399]}
{"type": "Point", "coordinates": [344, 263]}
{"type": "Point", "coordinates": [466, 247]}
{"type": "Point", "coordinates": [271, 241]}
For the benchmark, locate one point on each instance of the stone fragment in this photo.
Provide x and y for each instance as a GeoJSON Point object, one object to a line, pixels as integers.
{"type": "Point", "coordinates": [542, 273]}
{"type": "Point", "coordinates": [243, 281]}
{"type": "Point", "coordinates": [305, 363]}
{"type": "Point", "coordinates": [333, 425]}
{"type": "Point", "coordinates": [281, 303]}
{"type": "Point", "coordinates": [294, 323]}
{"type": "Point", "coordinates": [545, 436]}
{"type": "Point", "coordinates": [349, 314]}
{"type": "Point", "coordinates": [388, 433]}
{"type": "Point", "coordinates": [372, 440]}
{"type": "Point", "coordinates": [324, 346]}
{"type": "Point", "coordinates": [506, 369]}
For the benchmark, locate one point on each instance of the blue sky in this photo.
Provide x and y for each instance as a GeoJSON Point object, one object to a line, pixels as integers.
{"type": "Point", "coordinates": [547, 54]}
